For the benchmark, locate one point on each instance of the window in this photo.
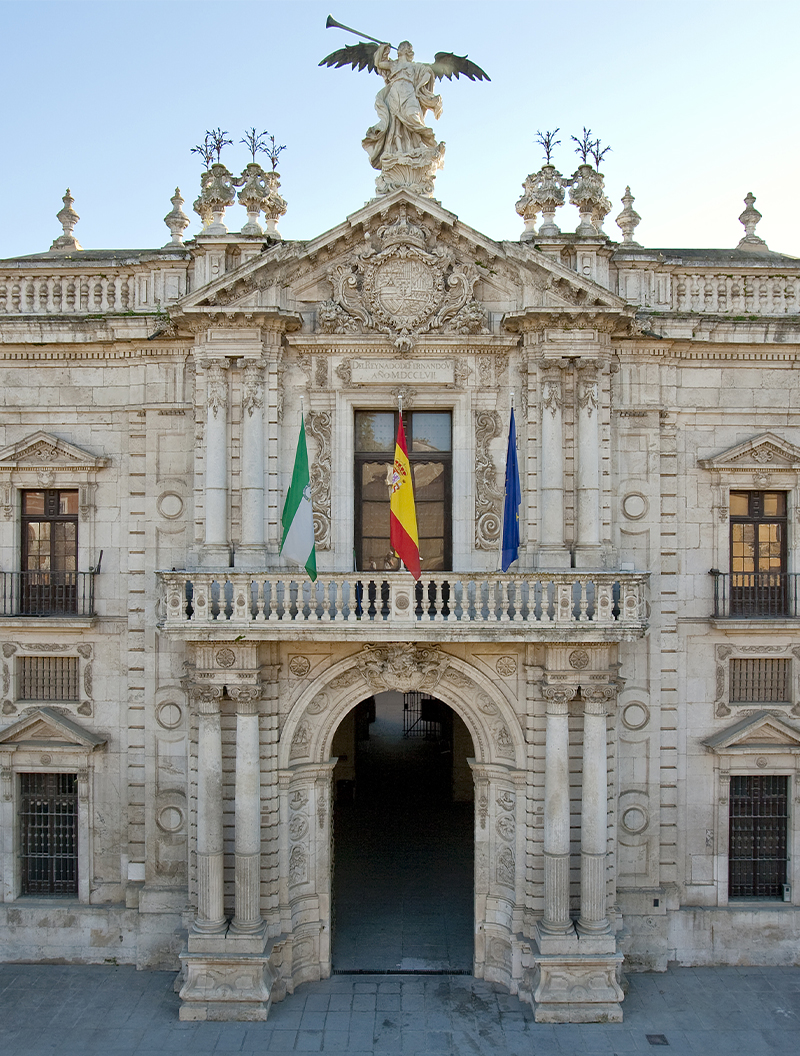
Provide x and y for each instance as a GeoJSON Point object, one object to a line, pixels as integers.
{"type": "Point", "coordinates": [429, 440]}
{"type": "Point", "coordinates": [758, 553]}
{"type": "Point", "coordinates": [48, 817]}
{"type": "Point", "coordinates": [762, 680]}
{"type": "Point", "coordinates": [47, 678]}
{"type": "Point", "coordinates": [49, 552]}
{"type": "Point", "coordinates": [758, 836]}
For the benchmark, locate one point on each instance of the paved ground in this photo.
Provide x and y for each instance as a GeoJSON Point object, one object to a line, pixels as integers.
{"type": "Point", "coordinates": [55, 1010]}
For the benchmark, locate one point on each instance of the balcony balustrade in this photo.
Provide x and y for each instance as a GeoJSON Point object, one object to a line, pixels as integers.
{"type": "Point", "coordinates": [276, 604]}
{"type": "Point", "coordinates": [755, 595]}
{"type": "Point", "coordinates": [47, 593]}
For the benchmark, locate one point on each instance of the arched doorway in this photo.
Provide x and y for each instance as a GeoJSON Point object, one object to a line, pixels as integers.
{"type": "Point", "coordinates": [403, 875]}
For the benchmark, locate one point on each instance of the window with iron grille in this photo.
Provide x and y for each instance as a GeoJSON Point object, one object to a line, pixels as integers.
{"type": "Point", "coordinates": [758, 836]}
{"type": "Point", "coordinates": [764, 680]}
{"type": "Point", "coordinates": [47, 678]}
{"type": "Point", "coordinates": [48, 817]}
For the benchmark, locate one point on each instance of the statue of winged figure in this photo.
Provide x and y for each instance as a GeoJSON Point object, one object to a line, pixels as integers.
{"type": "Point", "coordinates": [401, 145]}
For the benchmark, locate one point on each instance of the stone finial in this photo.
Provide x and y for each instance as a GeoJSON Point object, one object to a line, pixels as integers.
{"type": "Point", "coordinates": [68, 218]}
{"type": "Point", "coordinates": [628, 219]}
{"type": "Point", "coordinates": [586, 192]}
{"type": "Point", "coordinates": [749, 219]}
{"type": "Point", "coordinates": [176, 220]}
{"type": "Point", "coordinates": [544, 192]}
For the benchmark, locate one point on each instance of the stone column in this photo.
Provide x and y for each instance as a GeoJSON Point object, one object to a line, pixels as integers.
{"type": "Point", "coordinates": [587, 549]}
{"type": "Point", "coordinates": [210, 911]}
{"type": "Point", "coordinates": [216, 550]}
{"type": "Point", "coordinates": [556, 919]}
{"type": "Point", "coordinates": [273, 411]}
{"type": "Point", "coordinates": [251, 553]}
{"type": "Point", "coordinates": [552, 469]}
{"type": "Point", "coordinates": [594, 811]}
{"type": "Point", "coordinates": [247, 917]}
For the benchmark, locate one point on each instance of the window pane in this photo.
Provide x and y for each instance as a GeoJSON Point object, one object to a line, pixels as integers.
{"type": "Point", "coordinates": [431, 556]}
{"type": "Point", "coordinates": [375, 519]}
{"type": "Point", "coordinates": [377, 555]}
{"type": "Point", "coordinates": [65, 546]}
{"type": "Point", "coordinates": [373, 481]}
{"type": "Point", "coordinates": [428, 481]}
{"type": "Point", "coordinates": [430, 432]}
{"type": "Point", "coordinates": [375, 431]}
{"type": "Point", "coordinates": [68, 502]}
{"type": "Point", "coordinates": [430, 520]}
{"type": "Point", "coordinates": [38, 534]}
{"type": "Point", "coordinates": [33, 502]}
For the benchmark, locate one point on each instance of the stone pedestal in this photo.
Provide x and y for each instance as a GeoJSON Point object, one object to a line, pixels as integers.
{"type": "Point", "coordinates": [579, 986]}
{"type": "Point", "coordinates": [229, 978]}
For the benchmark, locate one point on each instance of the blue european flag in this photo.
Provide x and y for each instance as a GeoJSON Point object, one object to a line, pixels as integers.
{"type": "Point", "coordinates": [512, 500]}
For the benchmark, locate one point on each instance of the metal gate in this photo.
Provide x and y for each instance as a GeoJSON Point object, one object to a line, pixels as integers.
{"type": "Point", "coordinates": [758, 829]}
{"type": "Point", "coordinates": [49, 833]}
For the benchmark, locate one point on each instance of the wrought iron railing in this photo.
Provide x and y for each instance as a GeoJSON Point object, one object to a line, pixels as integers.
{"type": "Point", "coordinates": [755, 595]}
{"type": "Point", "coordinates": [47, 593]}
{"type": "Point", "coordinates": [591, 598]}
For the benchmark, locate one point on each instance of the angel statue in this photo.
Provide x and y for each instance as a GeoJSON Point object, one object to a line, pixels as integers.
{"type": "Point", "coordinates": [401, 145]}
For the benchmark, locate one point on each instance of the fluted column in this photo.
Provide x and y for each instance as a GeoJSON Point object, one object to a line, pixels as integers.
{"type": "Point", "coordinates": [251, 553]}
{"type": "Point", "coordinates": [247, 915]}
{"type": "Point", "coordinates": [217, 542]}
{"type": "Point", "coordinates": [210, 917]}
{"type": "Point", "coordinates": [594, 811]}
{"type": "Point", "coordinates": [556, 919]}
{"type": "Point", "coordinates": [552, 468]}
{"type": "Point", "coordinates": [588, 467]}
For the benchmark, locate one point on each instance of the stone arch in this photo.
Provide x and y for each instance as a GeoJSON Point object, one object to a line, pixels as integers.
{"type": "Point", "coordinates": [496, 732]}
{"type": "Point", "coordinates": [305, 775]}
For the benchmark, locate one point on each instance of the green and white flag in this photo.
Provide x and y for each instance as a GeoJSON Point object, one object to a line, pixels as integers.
{"type": "Point", "coordinates": [297, 518]}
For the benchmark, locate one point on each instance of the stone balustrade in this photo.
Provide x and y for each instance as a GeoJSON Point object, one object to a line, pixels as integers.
{"type": "Point", "coordinates": [739, 294]}
{"type": "Point", "coordinates": [275, 603]}
{"type": "Point", "coordinates": [82, 292]}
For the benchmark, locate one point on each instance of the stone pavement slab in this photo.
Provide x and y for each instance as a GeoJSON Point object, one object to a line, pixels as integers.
{"type": "Point", "coordinates": [76, 1010]}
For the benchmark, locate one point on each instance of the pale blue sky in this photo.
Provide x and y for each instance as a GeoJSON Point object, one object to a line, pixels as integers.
{"type": "Point", "coordinates": [697, 99]}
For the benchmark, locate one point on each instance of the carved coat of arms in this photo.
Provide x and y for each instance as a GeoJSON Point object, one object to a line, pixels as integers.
{"type": "Point", "coordinates": [401, 287]}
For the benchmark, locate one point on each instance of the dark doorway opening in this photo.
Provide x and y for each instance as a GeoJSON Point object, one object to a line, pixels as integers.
{"type": "Point", "coordinates": [403, 888]}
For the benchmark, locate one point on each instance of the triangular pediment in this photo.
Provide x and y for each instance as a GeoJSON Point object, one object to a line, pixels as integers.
{"type": "Point", "coordinates": [42, 450]}
{"type": "Point", "coordinates": [44, 727]}
{"type": "Point", "coordinates": [402, 264]}
{"type": "Point", "coordinates": [763, 452]}
{"type": "Point", "coordinates": [763, 732]}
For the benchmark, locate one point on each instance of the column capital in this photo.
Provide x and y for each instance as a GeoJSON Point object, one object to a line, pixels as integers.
{"type": "Point", "coordinates": [204, 696]}
{"type": "Point", "coordinates": [558, 697]}
{"type": "Point", "coordinates": [216, 383]}
{"type": "Point", "coordinates": [597, 699]}
{"type": "Point", "coordinates": [253, 386]}
{"type": "Point", "coordinates": [246, 697]}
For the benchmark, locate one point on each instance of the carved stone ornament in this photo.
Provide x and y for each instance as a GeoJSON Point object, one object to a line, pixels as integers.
{"type": "Point", "coordinates": [252, 387]}
{"type": "Point", "coordinates": [401, 287]}
{"type": "Point", "coordinates": [319, 427]}
{"type": "Point", "coordinates": [488, 494]}
{"type": "Point", "coordinates": [299, 666]}
{"type": "Point", "coordinates": [401, 667]}
{"type": "Point", "coordinates": [506, 868]}
{"type": "Point", "coordinates": [506, 666]}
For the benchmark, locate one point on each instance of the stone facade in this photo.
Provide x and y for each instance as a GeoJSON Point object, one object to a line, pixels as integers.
{"type": "Point", "coordinates": [615, 692]}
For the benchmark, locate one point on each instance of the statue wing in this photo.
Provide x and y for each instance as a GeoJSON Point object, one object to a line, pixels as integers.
{"type": "Point", "coordinates": [448, 65]}
{"type": "Point", "coordinates": [356, 55]}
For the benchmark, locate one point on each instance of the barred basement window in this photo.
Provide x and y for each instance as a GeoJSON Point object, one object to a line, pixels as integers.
{"type": "Point", "coordinates": [47, 678]}
{"type": "Point", "coordinates": [758, 836]}
{"type": "Point", "coordinates": [760, 681]}
{"type": "Point", "coordinates": [49, 833]}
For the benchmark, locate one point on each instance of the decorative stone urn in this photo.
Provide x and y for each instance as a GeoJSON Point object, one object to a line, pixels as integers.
{"type": "Point", "coordinates": [216, 194]}
{"type": "Point", "coordinates": [544, 192]}
{"type": "Point", "coordinates": [586, 192]}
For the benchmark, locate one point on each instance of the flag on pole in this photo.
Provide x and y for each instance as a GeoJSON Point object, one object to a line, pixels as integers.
{"type": "Point", "coordinates": [510, 545]}
{"type": "Point", "coordinates": [298, 519]}
{"type": "Point", "coordinates": [403, 515]}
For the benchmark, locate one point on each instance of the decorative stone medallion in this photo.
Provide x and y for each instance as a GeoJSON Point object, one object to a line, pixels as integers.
{"type": "Point", "coordinates": [225, 657]}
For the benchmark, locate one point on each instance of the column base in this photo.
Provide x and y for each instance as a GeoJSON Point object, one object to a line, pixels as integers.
{"type": "Point", "coordinates": [582, 988]}
{"type": "Point", "coordinates": [215, 555]}
{"type": "Point", "coordinates": [553, 558]}
{"type": "Point", "coordinates": [232, 979]}
{"type": "Point", "coordinates": [588, 557]}
{"type": "Point", "coordinates": [251, 557]}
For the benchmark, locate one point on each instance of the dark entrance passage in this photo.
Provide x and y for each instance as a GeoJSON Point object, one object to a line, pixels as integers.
{"type": "Point", "coordinates": [403, 838]}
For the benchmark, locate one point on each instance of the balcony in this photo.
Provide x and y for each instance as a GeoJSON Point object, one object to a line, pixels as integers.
{"type": "Point", "coordinates": [547, 606]}
{"type": "Point", "coordinates": [755, 595]}
{"type": "Point", "coordinates": [59, 594]}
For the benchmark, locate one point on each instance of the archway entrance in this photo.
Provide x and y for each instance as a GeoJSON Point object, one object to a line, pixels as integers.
{"type": "Point", "coordinates": [403, 875]}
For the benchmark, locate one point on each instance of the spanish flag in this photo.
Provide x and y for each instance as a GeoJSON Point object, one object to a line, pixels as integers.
{"type": "Point", "coordinates": [403, 515]}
